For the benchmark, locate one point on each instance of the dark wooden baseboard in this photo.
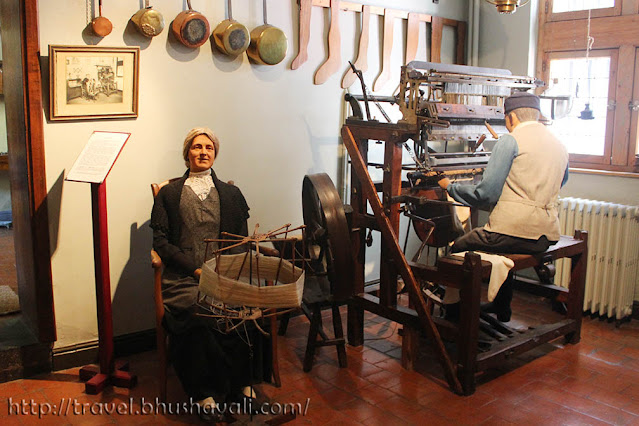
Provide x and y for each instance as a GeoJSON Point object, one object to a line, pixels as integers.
{"type": "Point", "coordinates": [87, 352]}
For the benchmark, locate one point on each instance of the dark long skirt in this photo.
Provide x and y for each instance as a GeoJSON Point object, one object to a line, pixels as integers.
{"type": "Point", "coordinates": [211, 363]}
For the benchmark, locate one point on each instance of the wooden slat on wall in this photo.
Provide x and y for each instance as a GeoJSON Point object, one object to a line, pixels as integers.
{"type": "Point", "coordinates": [437, 29]}
{"type": "Point", "coordinates": [437, 24]}
{"type": "Point", "coordinates": [375, 10]}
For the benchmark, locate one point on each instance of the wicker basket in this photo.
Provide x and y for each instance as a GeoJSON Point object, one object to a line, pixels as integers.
{"type": "Point", "coordinates": [224, 286]}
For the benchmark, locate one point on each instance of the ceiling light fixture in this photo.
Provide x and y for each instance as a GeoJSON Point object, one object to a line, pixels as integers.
{"type": "Point", "coordinates": [508, 6]}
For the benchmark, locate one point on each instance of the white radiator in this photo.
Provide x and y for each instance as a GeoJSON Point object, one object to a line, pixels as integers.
{"type": "Point", "coordinates": [613, 254]}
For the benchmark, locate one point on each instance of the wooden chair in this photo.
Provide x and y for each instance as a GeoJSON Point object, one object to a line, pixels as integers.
{"type": "Point", "coordinates": [160, 332]}
{"type": "Point", "coordinates": [161, 335]}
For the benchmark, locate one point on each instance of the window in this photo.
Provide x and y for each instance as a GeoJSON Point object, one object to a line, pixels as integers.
{"type": "Point", "coordinates": [575, 5]}
{"type": "Point", "coordinates": [578, 90]}
{"type": "Point", "coordinates": [560, 10]}
{"type": "Point", "coordinates": [591, 95]}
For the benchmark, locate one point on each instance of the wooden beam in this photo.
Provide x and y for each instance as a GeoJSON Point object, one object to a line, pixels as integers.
{"type": "Point", "coordinates": [634, 122]}
{"type": "Point", "coordinates": [609, 32]}
{"type": "Point", "coordinates": [437, 28]}
{"type": "Point", "coordinates": [623, 97]}
{"type": "Point", "coordinates": [461, 44]}
{"type": "Point", "coordinates": [23, 100]}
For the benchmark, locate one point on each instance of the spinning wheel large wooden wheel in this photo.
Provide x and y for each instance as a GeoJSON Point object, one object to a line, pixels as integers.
{"type": "Point", "coordinates": [327, 234]}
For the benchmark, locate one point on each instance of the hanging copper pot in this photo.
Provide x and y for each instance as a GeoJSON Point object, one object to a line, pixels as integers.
{"type": "Point", "coordinates": [100, 25]}
{"type": "Point", "coordinates": [191, 28]}
{"type": "Point", "coordinates": [268, 43]}
{"type": "Point", "coordinates": [148, 21]}
{"type": "Point", "coordinates": [231, 37]}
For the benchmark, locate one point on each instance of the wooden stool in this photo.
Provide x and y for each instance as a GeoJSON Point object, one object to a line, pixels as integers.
{"type": "Point", "coordinates": [317, 297]}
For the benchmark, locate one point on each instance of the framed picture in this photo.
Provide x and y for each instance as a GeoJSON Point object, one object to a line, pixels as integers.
{"type": "Point", "coordinates": [89, 82]}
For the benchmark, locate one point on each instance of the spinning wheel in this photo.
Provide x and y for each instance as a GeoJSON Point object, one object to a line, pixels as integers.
{"type": "Point", "coordinates": [327, 234]}
{"type": "Point", "coordinates": [331, 263]}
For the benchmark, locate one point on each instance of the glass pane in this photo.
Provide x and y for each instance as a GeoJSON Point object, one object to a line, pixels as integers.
{"type": "Point", "coordinates": [559, 6]}
{"type": "Point", "coordinates": [578, 88]}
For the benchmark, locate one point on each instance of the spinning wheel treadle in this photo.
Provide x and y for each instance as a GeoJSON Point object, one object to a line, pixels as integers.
{"type": "Point", "coordinates": [327, 234]}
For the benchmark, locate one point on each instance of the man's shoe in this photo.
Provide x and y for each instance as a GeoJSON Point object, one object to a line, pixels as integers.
{"type": "Point", "coordinates": [452, 311]}
{"type": "Point", "coordinates": [503, 312]}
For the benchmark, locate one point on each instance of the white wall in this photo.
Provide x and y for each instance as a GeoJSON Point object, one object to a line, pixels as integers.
{"type": "Point", "coordinates": [275, 126]}
{"type": "Point", "coordinates": [508, 41]}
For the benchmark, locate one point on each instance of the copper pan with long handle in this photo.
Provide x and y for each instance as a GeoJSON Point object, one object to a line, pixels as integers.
{"type": "Point", "coordinates": [231, 37]}
{"type": "Point", "coordinates": [148, 21]}
{"type": "Point", "coordinates": [268, 43]}
{"type": "Point", "coordinates": [100, 25]}
{"type": "Point", "coordinates": [190, 27]}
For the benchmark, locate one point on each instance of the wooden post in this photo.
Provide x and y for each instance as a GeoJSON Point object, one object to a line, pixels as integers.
{"type": "Point", "coordinates": [577, 287]}
{"type": "Point", "coordinates": [355, 322]}
{"type": "Point", "coordinates": [107, 373]}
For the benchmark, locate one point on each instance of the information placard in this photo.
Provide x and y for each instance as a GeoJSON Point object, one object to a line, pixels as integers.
{"type": "Point", "coordinates": [98, 156]}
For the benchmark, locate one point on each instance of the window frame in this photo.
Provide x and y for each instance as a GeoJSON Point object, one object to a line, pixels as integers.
{"type": "Point", "coordinates": [582, 14]}
{"type": "Point", "coordinates": [620, 33]}
{"type": "Point", "coordinates": [610, 116]}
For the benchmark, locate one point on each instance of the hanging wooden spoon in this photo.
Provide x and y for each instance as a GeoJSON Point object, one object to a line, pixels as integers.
{"type": "Point", "coordinates": [384, 76]}
{"type": "Point", "coordinates": [304, 33]}
{"type": "Point", "coordinates": [362, 55]}
{"type": "Point", "coordinates": [101, 26]}
{"type": "Point", "coordinates": [334, 54]}
{"type": "Point", "coordinates": [412, 37]}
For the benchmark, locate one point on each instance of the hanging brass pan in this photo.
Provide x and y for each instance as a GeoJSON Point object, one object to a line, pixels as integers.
{"type": "Point", "coordinates": [268, 43]}
{"type": "Point", "coordinates": [231, 37]}
{"type": "Point", "coordinates": [148, 21]}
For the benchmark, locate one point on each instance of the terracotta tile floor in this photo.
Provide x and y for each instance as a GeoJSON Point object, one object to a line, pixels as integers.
{"type": "Point", "coordinates": [594, 382]}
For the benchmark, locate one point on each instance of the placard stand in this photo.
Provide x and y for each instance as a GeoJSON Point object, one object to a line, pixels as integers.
{"type": "Point", "coordinates": [93, 166]}
{"type": "Point", "coordinates": [108, 373]}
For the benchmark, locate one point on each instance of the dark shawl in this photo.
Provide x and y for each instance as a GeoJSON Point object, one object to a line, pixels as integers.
{"type": "Point", "coordinates": [166, 222]}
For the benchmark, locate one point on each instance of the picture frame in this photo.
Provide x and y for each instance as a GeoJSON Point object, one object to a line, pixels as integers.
{"type": "Point", "coordinates": [89, 82]}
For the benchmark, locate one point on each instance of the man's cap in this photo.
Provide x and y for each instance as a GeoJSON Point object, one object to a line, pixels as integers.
{"type": "Point", "coordinates": [521, 100]}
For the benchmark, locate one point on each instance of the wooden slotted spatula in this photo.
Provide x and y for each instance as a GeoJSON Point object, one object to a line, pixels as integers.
{"type": "Point", "coordinates": [331, 65]}
{"type": "Point", "coordinates": [304, 33]}
{"type": "Point", "coordinates": [362, 55]}
{"type": "Point", "coordinates": [384, 76]}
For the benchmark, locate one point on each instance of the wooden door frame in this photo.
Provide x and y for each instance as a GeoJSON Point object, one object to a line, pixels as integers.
{"type": "Point", "coordinates": [25, 137]}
